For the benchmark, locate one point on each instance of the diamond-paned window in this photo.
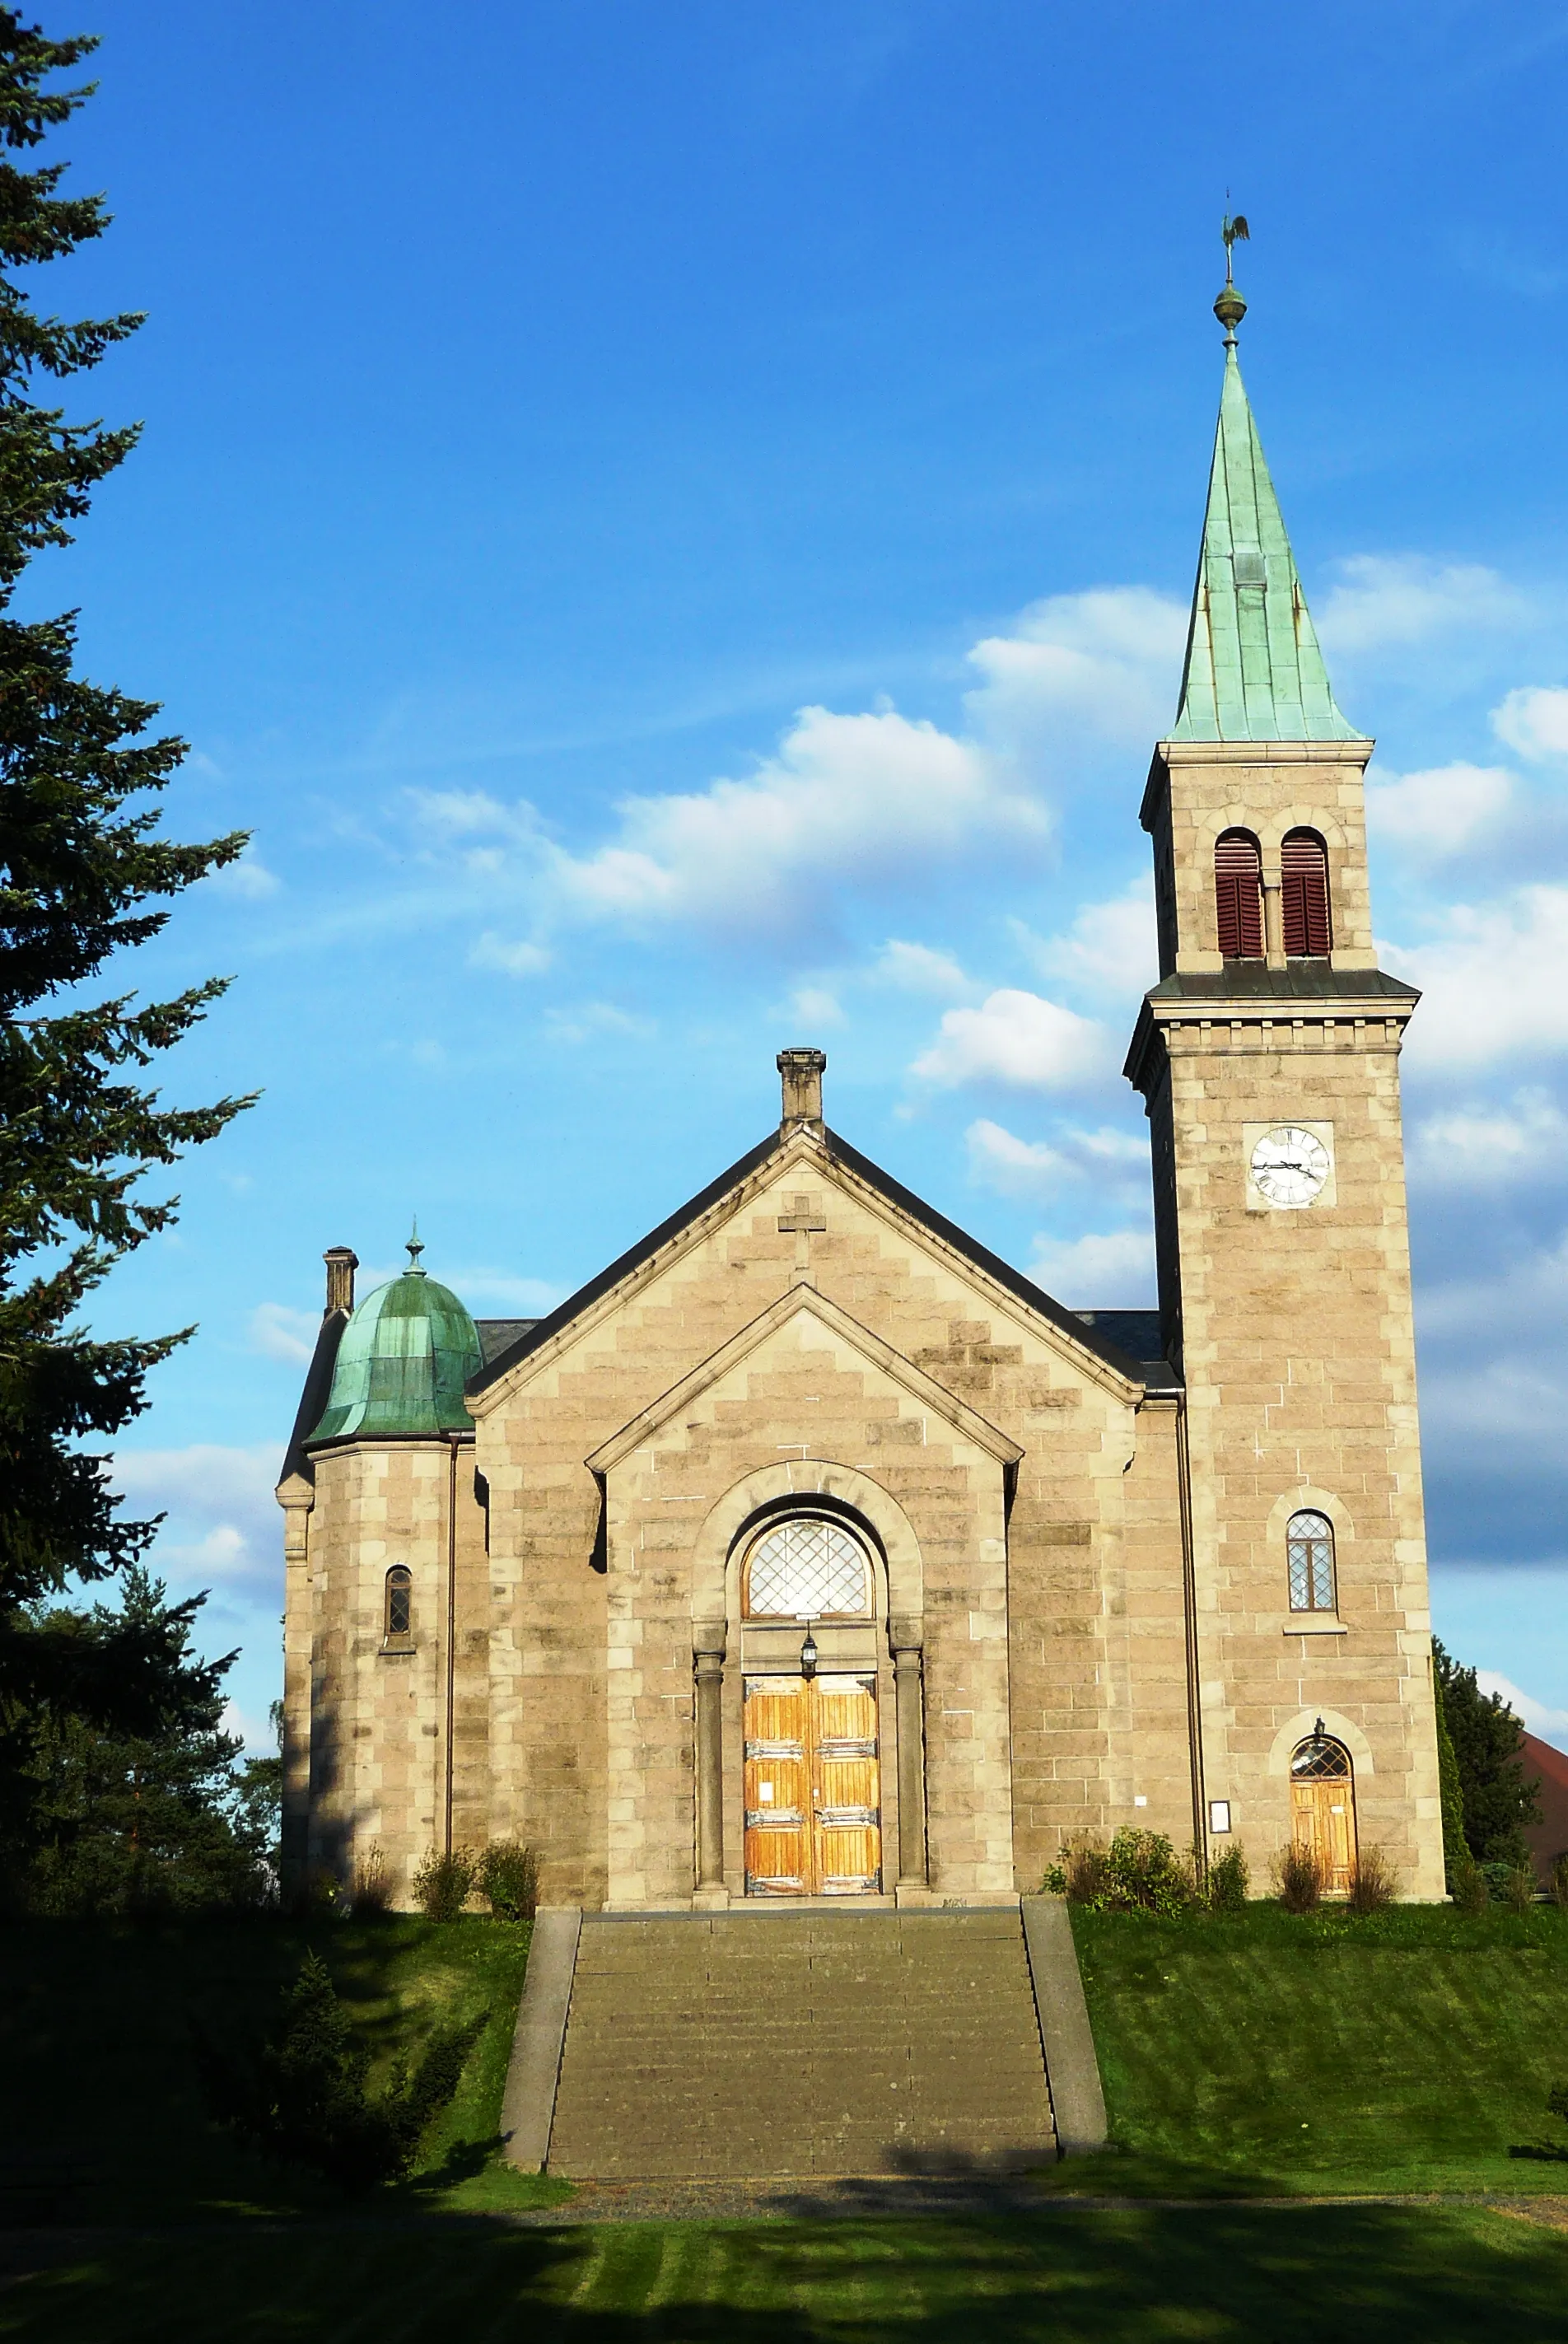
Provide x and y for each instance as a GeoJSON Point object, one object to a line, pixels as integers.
{"type": "Point", "coordinates": [1310, 1549]}
{"type": "Point", "coordinates": [1320, 1759]}
{"type": "Point", "coordinates": [806, 1569]}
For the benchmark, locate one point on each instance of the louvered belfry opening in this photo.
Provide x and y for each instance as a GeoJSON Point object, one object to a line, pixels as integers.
{"type": "Point", "coordinates": [1304, 894]}
{"type": "Point", "coordinates": [1239, 895]}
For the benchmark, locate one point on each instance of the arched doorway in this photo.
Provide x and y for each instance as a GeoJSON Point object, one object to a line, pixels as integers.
{"type": "Point", "coordinates": [1323, 1806]}
{"type": "Point", "coordinates": [813, 1771]}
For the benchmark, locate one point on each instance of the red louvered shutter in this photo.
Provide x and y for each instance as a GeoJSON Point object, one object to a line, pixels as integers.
{"type": "Point", "coordinates": [1239, 896]}
{"type": "Point", "coordinates": [1304, 894]}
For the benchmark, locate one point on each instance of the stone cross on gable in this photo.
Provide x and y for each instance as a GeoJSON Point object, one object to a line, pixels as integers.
{"type": "Point", "coordinates": [803, 1220]}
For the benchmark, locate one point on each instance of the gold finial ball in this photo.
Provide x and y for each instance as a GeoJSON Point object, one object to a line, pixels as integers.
{"type": "Point", "coordinates": [1230, 309]}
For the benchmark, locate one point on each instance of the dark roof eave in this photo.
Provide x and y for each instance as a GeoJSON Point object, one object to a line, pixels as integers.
{"type": "Point", "coordinates": [313, 1398]}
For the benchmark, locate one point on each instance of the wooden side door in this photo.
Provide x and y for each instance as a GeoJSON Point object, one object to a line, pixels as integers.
{"type": "Point", "coordinates": [1323, 1818]}
{"type": "Point", "coordinates": [846, 1787]}
{"type": "Point", "coordinates": [777, 1787]}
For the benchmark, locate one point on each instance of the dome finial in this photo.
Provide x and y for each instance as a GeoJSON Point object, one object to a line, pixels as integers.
{"type": "Point", "coordinates": [1230, 309]}
{"type": "Point", "coordinates": [415, 1251]}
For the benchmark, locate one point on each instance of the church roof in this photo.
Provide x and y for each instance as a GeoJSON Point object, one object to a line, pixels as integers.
{"type": "Point", "coordinates": [1253, 670]}
{"type": "Point", "coordinates": [1093, 1338]}
{"type": "Point", "coordinates": [402, 1360]}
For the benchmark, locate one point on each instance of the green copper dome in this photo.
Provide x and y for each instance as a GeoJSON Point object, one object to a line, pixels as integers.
{"type": "Point", "coordinates": [405, 1354]}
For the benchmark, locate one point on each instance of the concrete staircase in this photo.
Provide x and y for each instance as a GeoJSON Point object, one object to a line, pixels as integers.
{"type": "Point", "coordinates": [772, 2042]}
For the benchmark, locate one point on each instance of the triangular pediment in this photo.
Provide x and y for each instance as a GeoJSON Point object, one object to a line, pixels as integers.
{"type": "Point", "coordinates": [818, 1156]}
{"type": "Point", "coordinates": [803, 1302]}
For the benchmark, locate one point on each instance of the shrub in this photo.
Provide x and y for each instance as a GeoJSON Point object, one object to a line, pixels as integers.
{"type": "Point", "coordinates": [1559, 1884]}
{"type": "Point", "coordinates": [442, 1884]}
{"type": "Point", "coordinates": [304, 2100]}
{"type": "Point", "coordinates": [1228, 1882]}
{"type": "Point", "coordinates": [1087, 1874]}
{"type": "Point", "coordinates": [1144, 1874]}
{"type": "Point", "coordinates": [1468, 1890]}
{"type": "Point", "coordinates": [1374, 1883]}
{"type": "Point", "coordinates": [1298, 1878]}
{"type": "Point", "coordinates": [1519, 1887]}
{"type": "Point", "coordinates": [507, 1876]}
{"type": "Point", "coordinates": [372, 1890]}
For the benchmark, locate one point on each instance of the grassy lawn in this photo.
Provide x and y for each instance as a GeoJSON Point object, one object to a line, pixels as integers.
{"type": "Point", "coordinates": [1246, 2275]}
{"type": "Point", "coordinates": [1406, 2051]}
{"type": "Point", "coordinates": [97, 2064]}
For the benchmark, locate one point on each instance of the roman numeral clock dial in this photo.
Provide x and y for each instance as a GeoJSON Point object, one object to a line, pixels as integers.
{"type": "Point", "coordinates": [1290, 1167]}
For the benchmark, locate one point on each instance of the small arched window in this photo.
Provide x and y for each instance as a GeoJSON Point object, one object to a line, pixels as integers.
{"type": "Point", "coordinates": [1304, 894]}
{"type": "Point", "coordinates": [1310, 1549]}
{"type": "Point", "coordinates": [1239, 895]}
{"type": "Point", "coordinates": [399, 1605]}
{"type": "Point", "coordinates": [807, 1568]}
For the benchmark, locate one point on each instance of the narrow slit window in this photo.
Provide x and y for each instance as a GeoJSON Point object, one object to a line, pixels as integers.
{"type": "Point", "coordinates": [1309, 1547]}
{"type": "Point", "coordinates": [400, 1611]}
{"type": "Point", "coordinates": [1239, 895]}
{"type": "Point", "coordinates": [1304, 896]}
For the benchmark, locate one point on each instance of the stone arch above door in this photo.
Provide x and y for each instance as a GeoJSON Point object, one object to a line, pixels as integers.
{"type": "Point", "coordinates": [717, 1552]}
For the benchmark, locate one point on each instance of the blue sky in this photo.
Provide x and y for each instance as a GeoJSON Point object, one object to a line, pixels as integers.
{"type": "Point", "coordinates": [673, 527]}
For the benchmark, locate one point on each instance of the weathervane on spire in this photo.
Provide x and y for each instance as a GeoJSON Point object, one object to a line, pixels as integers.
{"type": "Point", "coordinates": [415, 1249]}
{"type": "Point", "coordinates": [1230, 309]}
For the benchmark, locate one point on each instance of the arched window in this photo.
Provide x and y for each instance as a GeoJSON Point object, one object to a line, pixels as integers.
{"type": "Point", "coordinates": [1239, 895]}
{"type": "Point", "coordinates": [399, 1605]}
{"type": "Point", "coordinates": [807, 1568]}
{"type": "Point", "coordinates": [1304, 894]}
{"type": "Point", "coordinates": [1310, 1549]}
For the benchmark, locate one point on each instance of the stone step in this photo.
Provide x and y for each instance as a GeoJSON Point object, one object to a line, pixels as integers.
{"type": "Point", "coordinates": [828, 2044]}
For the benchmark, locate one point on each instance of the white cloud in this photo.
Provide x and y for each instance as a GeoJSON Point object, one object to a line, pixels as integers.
{"type": "Point", "coordinates": [1098, 1272]}
{"type": "Point", "coordinates": [1382, 599]}
{"type": "Point", "coordinates": [1110, 948]}
{"type": "Point", "coordinates": [1436, 812]}
{"type": "Point", "coordinates": [280, 1333]}
{"type": "Point", "coordinates": [249, 878]}
{"type": "Point", "coordinates": [1534, 722]}
{"type": "Point", "coordinates": [916, 968]}
{"type": "Point", "coordinates": [224, 1526]}
{"type": "Point", "coordinates": [813, 1004]}
{"type": "Point", "coordinates": [1489, 1147]}
{"type": "Point", "coordinates": [512, 959]}
{"type": "Point", "coordinates": [1496, 983]}
{"type": "Point", "coordinates": [1015, 1037]}
{"type": "Point", "coordinates": [847, 798]}
{"type": "Point", "coordinates": [998, 1159]}
{"type": "Point", "coordinates": [1547, 1724]}
{"type": "Point", "coordinates": [590, 1018]}
{"type": "Point", "coordinates": [1106, 663]}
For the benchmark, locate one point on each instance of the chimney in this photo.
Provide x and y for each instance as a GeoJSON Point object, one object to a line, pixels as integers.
{"type": "Point", "coordinates": [801, 1071]}
{"type": "Point", "coordinates": [341, 1262]}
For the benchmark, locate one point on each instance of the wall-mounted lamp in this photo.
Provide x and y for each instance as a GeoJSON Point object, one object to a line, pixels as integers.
{"type": "Point", "coordinates": [808, 1654]}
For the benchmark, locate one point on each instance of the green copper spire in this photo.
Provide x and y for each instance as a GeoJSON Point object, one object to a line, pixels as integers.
{"type": "Point", "coordinates": [1253, 672]}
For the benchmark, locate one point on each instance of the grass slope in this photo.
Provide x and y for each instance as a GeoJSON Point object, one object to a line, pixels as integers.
{"type": "Point", "coordinates": [1409, 2050]}
{"type": "Point", "coordinates": [97, 2064]}
{"type": "Point", "coordinates": [1235, 2275]}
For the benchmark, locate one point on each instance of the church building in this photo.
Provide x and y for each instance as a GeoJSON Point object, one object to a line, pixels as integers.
{"type": "Point", "coordinates": [810, 1551]}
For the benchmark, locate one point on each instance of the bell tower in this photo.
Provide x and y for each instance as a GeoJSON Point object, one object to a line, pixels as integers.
{"type": "Point", "coordinates": [1268, 1059]}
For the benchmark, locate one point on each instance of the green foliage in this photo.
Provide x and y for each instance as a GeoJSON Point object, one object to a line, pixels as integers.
{"type": "Point", "coordinates": [1468, 1887]}
{"type": "Point", "coordinates": [372, 1890]}
{"type": "Point", "coordinates": [1374, 1883]}
{"type": "Point", "coordinates": [1559, 1884]}
{"type": "Point", "coordinates": [507, 1877]}
{"type": "Point", "coordinates": [161, 1821]}
{"type": "Point", "coordinates": [1230, 1882]}
{"type": "Point", "coordinates": [84, 877]}
{"type": "Point", "coordinates": [1456, 1855]}
{"type": "Point", "coordinates": [1298, 1878]}
{"type": "Point", "coordinates": [306, 2097]}
{"type": "Point", "coordinates": [1487, 1738]}
{"type": "Point", "coordinates": [1140, 1872]}
{"type": "Point", "coordinates": [444, 1883]}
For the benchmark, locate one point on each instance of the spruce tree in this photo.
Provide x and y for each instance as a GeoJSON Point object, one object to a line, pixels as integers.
{"type": "Point", "coordinates": [84, 877]}
{"type": "Point", "coordinates": [1487, 1739]}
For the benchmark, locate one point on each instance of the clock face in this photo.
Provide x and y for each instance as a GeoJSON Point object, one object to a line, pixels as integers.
{"type": "Point", "coordinates": [1290, 1165]}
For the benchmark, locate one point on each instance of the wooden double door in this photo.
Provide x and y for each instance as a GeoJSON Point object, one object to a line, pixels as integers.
{"type": "Point", "coordinates": [1323, 1818]}
{"type": "Point", "coordinates": [813, 1786]}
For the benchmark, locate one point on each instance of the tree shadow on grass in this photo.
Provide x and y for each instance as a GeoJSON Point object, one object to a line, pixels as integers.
{"type": "Point", "coordinates": [1360, 2274]}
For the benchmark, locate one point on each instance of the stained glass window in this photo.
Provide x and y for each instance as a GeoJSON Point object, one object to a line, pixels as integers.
{"type": "Point", "coordinates": [1310, 1546]}
{"type": "Point", "coordinates": [807, 1568]}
